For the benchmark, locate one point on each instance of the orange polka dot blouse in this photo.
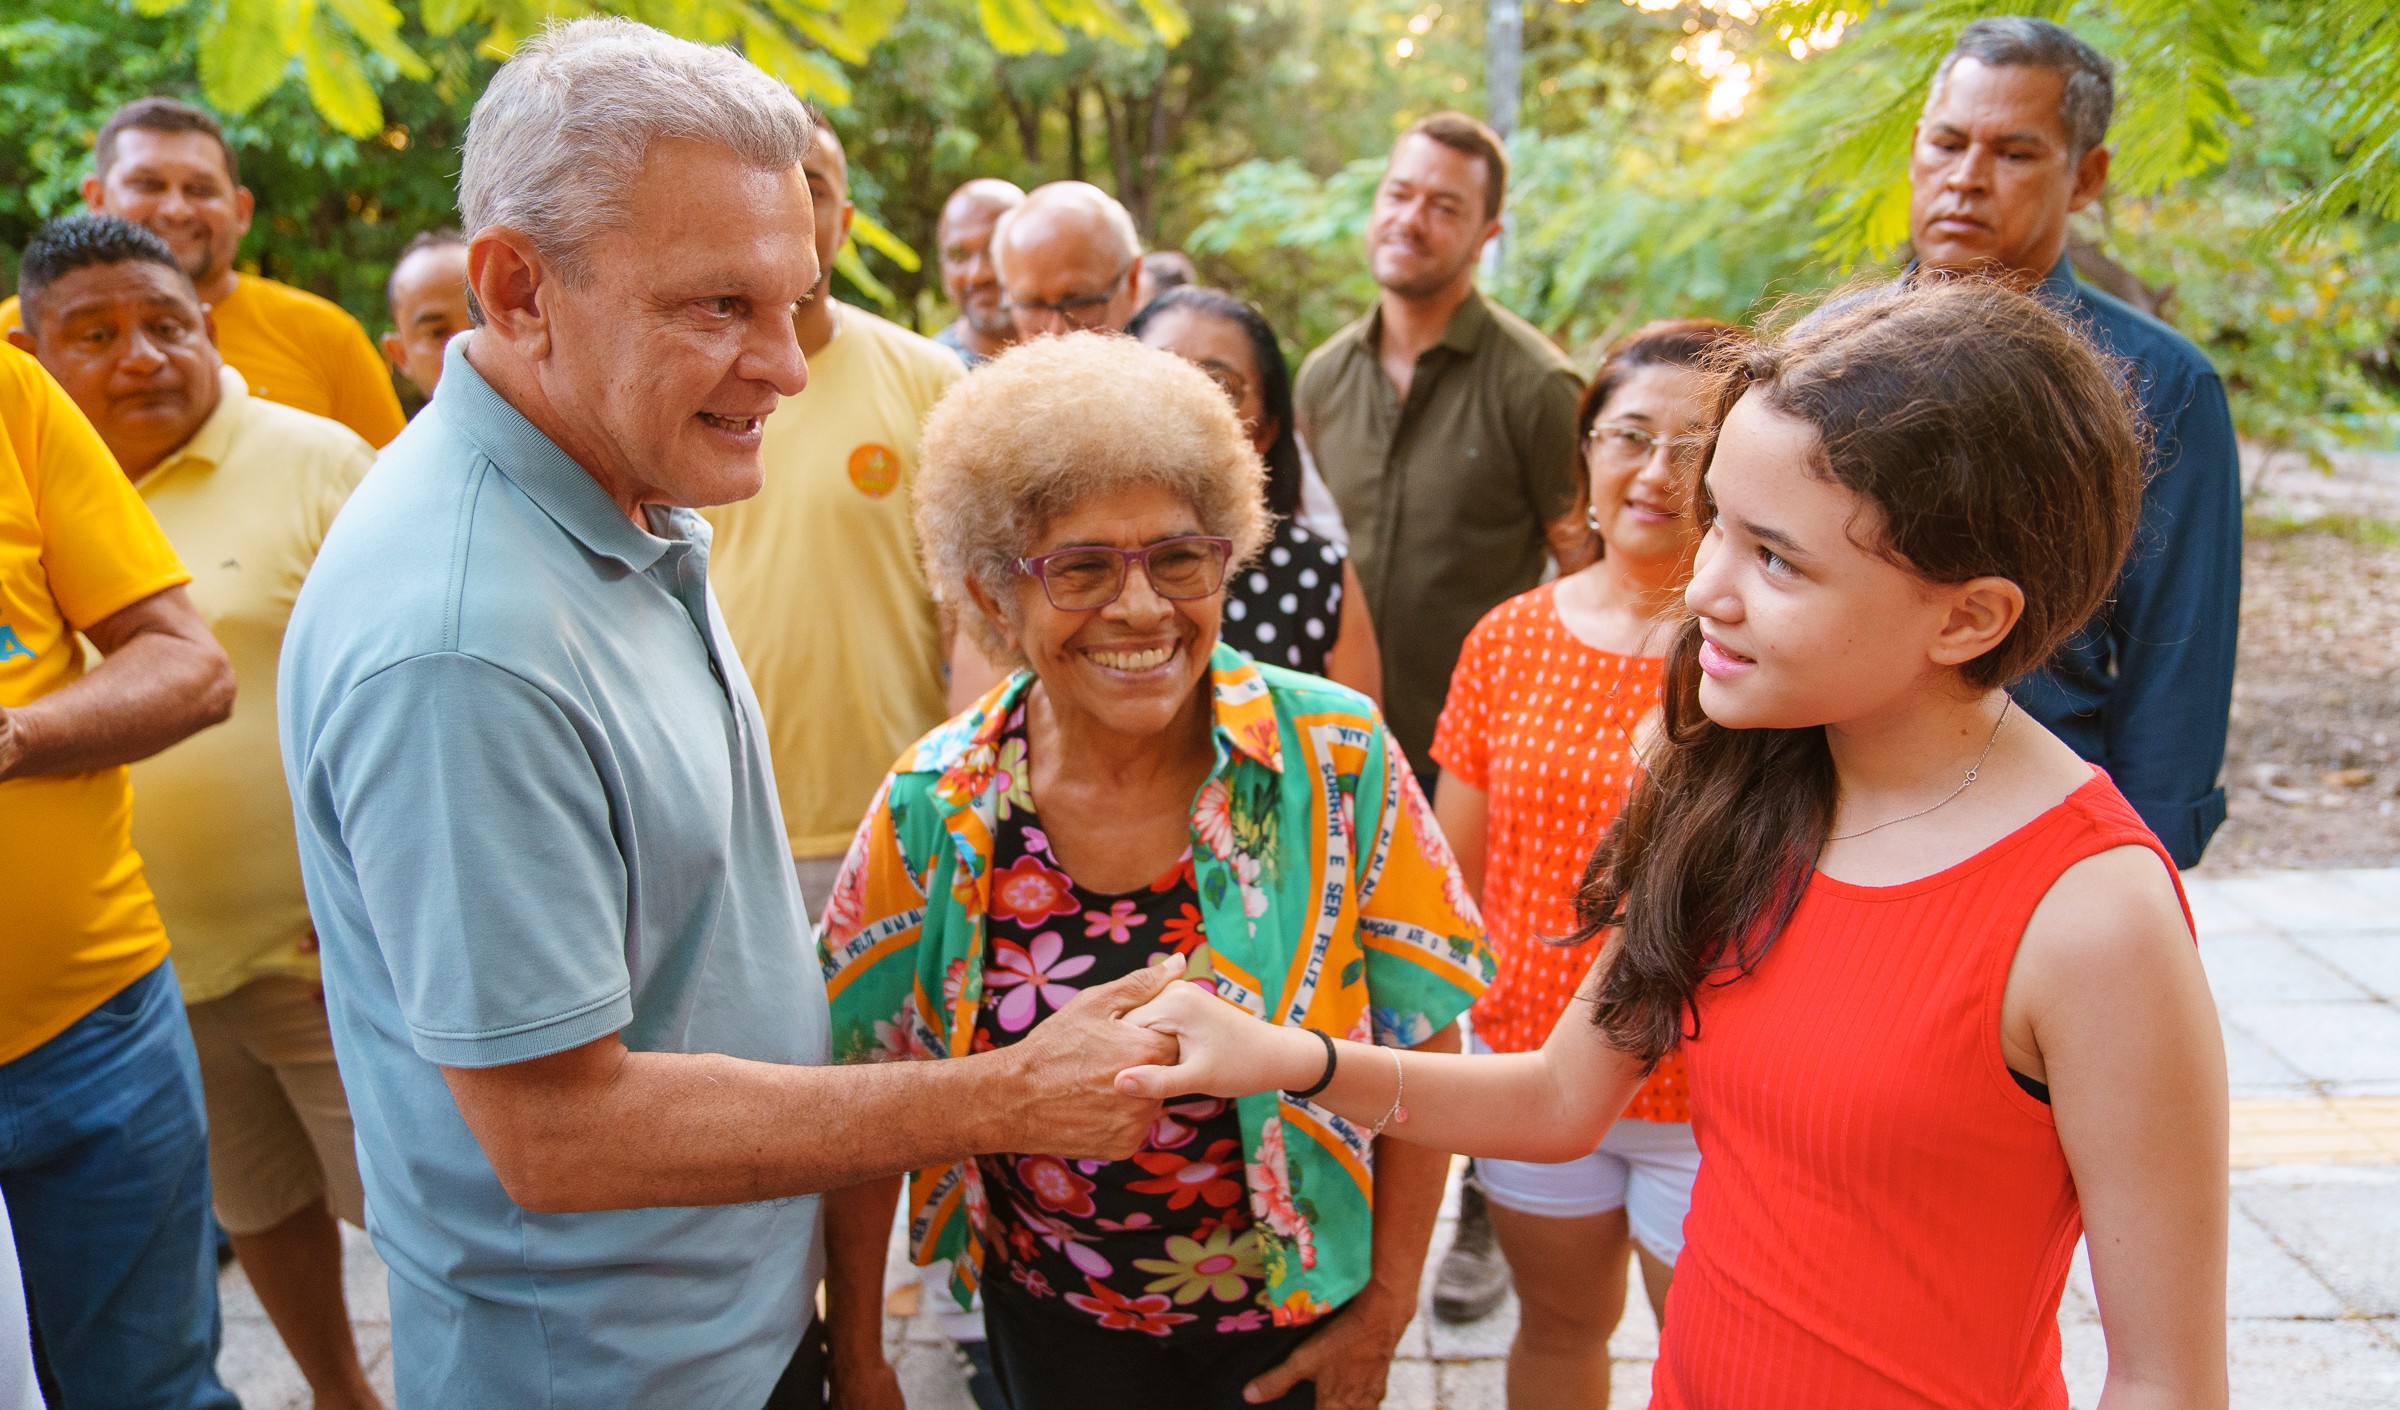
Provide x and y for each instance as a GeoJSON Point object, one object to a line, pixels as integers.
{"type": "Point", "coordinates": [1543, 723]}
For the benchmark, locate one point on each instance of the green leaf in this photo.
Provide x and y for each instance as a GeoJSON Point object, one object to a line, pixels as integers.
{"type": "Point", "coordinates": [155, 8]}
{"type": "Point", "coordinates": [811, 75]}
{"type": "Point", "coordinates": [855, 270]}
{"type": "Point", "coordinates": [378, 23]}
{"type": "Point", "coordinates": [337, 82]}
{"type": "Point", "coordinates": [1020, 27]}
{"type": "Point", "coordinates": [865, 230]}
{"type": "Point", "coordinates": [242, 56]}
{"type": "Point", "coordinates": [443, 17]}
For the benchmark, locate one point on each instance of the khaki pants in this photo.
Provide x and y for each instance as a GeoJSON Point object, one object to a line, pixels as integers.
{"type": "Point", "coordinates": [279, 1131]}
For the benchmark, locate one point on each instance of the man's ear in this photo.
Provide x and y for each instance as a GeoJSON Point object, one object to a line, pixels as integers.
{"type": "Point", "coordinates": [2091, 178]}
{"type": "Point", "coordinates": [208, 325]}
{"type": "Point", "coordinates": [245, 206]}
{"type": "Point", "coordinates": [849, 214]}
{"type": "Point", "coordinates": [21, 339]}
{"type": "Point", "coordinates": [507, 281]}
{"type": "Point", "coordinates": [395, 351]}
{"type": "Point", "coordinates": [94, 193]}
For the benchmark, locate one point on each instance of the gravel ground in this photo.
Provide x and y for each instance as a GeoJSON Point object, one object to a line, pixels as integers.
{"type": "Point", "coordinates": [2313, 763]}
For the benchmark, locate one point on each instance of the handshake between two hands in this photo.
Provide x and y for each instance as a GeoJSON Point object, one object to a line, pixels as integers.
{"type": "Point", "coordinates": [1104, 1064]}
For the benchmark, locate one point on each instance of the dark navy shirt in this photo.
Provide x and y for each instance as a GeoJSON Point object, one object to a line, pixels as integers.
{"type": "Point", "coordinates": [2146, 689]}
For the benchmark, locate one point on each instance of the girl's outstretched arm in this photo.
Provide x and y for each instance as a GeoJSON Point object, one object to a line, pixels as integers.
{"type": "Point", "coordinates": [1550, 1105]}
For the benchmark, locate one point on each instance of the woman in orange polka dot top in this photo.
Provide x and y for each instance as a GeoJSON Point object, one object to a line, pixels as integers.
{"type": "Point", "coordinates": [1536, 746]}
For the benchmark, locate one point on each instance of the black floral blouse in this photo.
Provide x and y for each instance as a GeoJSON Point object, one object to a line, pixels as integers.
{"type": "Point", "coordinates": [1160, 1244]}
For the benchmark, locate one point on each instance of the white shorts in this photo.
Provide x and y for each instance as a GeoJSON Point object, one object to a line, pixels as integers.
{"type": "Point", "coordinates": [1645, 1168]}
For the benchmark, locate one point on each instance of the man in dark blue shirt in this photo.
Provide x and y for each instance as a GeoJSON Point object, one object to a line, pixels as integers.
{"type": "Point", "coordinates": [2010, 144]}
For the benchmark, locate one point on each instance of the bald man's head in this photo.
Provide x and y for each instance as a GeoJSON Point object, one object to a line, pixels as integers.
{"type": "Point", "coordinates": [1068, 258]}
{"type": "Point", "coordinates": [963, 242]}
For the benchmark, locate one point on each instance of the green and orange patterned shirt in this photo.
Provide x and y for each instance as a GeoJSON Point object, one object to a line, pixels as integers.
{"type": "Point", "coordinates": [1327, 895]}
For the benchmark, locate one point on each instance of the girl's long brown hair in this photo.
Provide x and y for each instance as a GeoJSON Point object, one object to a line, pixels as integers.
{"type": "Point", "coordinates": [1991, 440]}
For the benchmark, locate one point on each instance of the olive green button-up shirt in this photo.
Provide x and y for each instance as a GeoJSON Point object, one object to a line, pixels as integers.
{"type": "Point", "coordinates": [1445, 495]}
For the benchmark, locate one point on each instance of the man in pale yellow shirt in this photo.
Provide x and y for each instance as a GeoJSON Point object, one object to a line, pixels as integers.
{"type": "Point", "coordinates": [245, 489]}
{"type": "Point", "coordinates": [166, 165]}
{"type": "Point", "coordinates": [818, 573]}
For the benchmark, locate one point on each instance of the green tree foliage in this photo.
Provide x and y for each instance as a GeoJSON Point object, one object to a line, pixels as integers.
{"type": "Point", "coordinates": [340, 50]}
{"type": "Point", "coordinates": [2252, 189]}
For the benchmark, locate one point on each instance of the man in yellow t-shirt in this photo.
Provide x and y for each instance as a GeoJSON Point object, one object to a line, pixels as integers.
{"type": "Point", "coordinates": [104, 1166]}
{"type": "Point", "coordinates": [166, 165]}
{"type": "Point", "coordinates": [818, 573]}
{"type": "Point", "coordinates": [245, 490]}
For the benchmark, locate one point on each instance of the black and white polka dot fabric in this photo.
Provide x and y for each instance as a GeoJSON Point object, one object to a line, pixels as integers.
{"type": "Point", "coordinates": [1286, 608]}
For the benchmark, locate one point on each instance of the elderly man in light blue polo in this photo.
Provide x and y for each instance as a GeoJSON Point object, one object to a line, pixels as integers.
{"type": "Point", "coordinates": [573, 993]}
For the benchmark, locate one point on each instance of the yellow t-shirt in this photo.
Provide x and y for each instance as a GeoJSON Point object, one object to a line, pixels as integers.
{"type": "Point", "coordinates": [76, 546]}
{"type": "Point", "coordinates": [293, 347]}
{"type": "Point", "coordinates": [820, 582]}
{"type": "Point", "coordinates": [246, 501]}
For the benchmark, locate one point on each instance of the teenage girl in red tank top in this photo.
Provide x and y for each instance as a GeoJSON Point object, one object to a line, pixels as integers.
{"type": "Point", "coordinates": [1932, 981]}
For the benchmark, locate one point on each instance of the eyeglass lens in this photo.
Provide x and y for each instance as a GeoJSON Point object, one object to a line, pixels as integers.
{"type": "Point", "coordinates": [1080, 579]}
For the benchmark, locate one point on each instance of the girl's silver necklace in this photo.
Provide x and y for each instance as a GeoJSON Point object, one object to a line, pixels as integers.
{"type": "Point", "coordinates": [1963, 785]}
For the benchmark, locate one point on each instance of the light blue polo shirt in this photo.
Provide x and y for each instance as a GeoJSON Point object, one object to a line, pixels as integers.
{"type": "Point", "coordinates": [535, 809]}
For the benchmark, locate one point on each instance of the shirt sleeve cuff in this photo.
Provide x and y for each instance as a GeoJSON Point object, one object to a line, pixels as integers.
{"type": "Point", "coordinates": [2184, 828]}
{"type": "Point", "coordinates": [526, 1041]}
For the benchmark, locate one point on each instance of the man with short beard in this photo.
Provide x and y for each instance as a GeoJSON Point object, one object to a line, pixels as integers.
{"type": "Point", "coordinates": [963, 244]}
{"type": "Point", "coordinates": [1444, 424]}
{"type": "Point", "coordinates": [579, 1008]}
{"type": "Point", "coordinates": [166, 165]}
{"type": "Point", "coordinates": [1445, 427]}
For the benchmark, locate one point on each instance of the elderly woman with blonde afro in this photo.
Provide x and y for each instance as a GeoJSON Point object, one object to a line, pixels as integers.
{"type": "Point", "coordinates": [1136, 791]}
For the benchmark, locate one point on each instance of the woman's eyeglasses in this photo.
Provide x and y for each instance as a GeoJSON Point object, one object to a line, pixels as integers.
{"type": "Point", "coordinates": [1089, 578]}
{"type": "Point", "coordinates": [1624, 443]}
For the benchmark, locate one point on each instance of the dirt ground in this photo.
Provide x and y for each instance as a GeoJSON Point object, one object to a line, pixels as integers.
{"type": "Point", "coordinates": [2312, 767]}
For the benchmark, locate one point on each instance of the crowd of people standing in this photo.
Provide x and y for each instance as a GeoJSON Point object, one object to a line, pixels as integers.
{"type": "Point", "coordinates": [731, 771]}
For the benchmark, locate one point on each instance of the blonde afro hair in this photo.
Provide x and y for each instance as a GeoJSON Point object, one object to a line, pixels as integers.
{"type": "Point", "coordinates": [1050, 423]}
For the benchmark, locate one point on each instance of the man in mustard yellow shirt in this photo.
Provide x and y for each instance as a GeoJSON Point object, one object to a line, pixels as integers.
{"type": "Point", "coordinates": [817, 574]}
{"type": "Point", "coordinates": [166, 165]}
{"type": "Point", "coordinates": [245, 490]}
{"type": "Point", "coordinates": [104, 1159]}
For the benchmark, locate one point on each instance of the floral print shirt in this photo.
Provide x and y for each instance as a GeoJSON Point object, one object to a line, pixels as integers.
{"type": "Point", "coordinates": [1326, 897]}
{"type": "Point", "coordinates": [1163, 1243]}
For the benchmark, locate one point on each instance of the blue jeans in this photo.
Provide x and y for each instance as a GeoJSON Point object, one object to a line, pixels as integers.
{"type": "Point", "coordinates": [104, 1161]}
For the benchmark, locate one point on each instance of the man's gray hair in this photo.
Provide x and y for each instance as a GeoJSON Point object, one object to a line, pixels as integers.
{"type": "Point", "coordinates": [2020, 41]}
{"type": "Point", "coordinates": [555, 140]}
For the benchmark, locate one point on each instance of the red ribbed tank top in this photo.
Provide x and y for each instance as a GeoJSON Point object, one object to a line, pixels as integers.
{"type": "Point", "coordinates": [1883, 1217]}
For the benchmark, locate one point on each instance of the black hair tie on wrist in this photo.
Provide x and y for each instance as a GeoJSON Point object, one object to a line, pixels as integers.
{"type": "Point", "coordinates": [1323, 1081]}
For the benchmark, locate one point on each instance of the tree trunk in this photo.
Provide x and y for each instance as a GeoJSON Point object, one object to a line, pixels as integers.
{"type": "Point", "coordinates": [1028, 117]}
{"type": "Point", "coordinates": [1074, 132]}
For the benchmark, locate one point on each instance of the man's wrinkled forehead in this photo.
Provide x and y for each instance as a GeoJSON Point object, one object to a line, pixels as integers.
{"type": "Point", "coordinates": [2009, 103]}
{"type": "Point", "coordinates": [109, 290]}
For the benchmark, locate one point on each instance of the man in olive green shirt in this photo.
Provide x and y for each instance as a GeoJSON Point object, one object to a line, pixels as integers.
{"type": "Point", "coordinates": [1444, 424]}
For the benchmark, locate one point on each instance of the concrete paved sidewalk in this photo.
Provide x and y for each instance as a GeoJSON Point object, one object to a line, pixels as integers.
{"type": "Point", "coordinates": [2306, 971]}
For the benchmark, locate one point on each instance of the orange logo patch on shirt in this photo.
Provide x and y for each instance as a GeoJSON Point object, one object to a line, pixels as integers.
{"type": "Point", "coordinates": [875, 470]}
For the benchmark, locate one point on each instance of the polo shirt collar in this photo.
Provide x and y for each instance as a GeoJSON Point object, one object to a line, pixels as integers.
{"type": "Point", "coordinates": [208, 445]}
{"type": "Point", "coordinates": [1463, 336]}
{"type": "Point", "coordinates": [1467, 324]}
{"type": "Point", "coordinates": [533, 463]}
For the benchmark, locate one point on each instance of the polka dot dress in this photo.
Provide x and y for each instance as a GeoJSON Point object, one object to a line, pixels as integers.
{"type": "Point", "coordinates": [1286, 608]}
{"type": "Point", "coordinates": [1544, 724]}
